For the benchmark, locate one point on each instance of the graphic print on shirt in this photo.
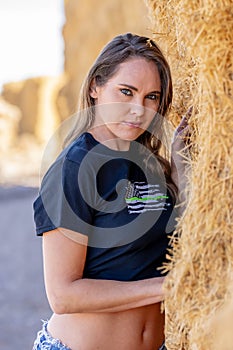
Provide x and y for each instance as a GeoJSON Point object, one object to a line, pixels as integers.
{"type": "Point", "coordinates": [142, 197]}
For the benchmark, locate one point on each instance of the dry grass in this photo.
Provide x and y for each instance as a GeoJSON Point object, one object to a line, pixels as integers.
{"type": "Point", "coordinates": [198, 38]}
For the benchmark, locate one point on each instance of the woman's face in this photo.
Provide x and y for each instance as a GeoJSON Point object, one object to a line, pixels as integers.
{"type": "Point", "coordinates": [126, 105]}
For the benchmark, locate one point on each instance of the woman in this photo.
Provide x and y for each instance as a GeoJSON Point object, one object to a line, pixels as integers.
{"type": "Point", "coordinates": [105, 208]}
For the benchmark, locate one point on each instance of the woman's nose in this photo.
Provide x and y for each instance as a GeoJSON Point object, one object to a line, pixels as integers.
{"type": "Point", "coordinates": [137, 109]}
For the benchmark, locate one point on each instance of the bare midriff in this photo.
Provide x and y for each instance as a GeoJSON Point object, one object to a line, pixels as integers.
{"type": "Point", "coordinates": [137, 329]}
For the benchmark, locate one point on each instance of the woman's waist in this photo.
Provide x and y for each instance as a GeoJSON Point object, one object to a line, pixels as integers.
{"type": "Point", "coordinates": [136, 328]}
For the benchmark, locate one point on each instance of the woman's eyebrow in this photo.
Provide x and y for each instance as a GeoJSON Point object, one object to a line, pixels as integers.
{"type": "Point", "coordinates": [129, 86]}
{"type": "Point", "coordinates": [135, 89]}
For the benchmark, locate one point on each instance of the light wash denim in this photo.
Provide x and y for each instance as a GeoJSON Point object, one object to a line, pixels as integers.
{"type": "Point", "coordinates": [45, 341]}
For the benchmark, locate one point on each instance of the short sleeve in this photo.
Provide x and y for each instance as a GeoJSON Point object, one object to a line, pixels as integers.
{"type": "Point", "coordinates": [65, 199]}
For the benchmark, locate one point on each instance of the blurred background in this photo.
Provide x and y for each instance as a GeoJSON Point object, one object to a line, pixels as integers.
{"type": "Point", "coordinates": [47, 47]}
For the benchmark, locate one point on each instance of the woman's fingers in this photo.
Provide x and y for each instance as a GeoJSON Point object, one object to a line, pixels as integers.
{"type": "Point", "coordinates": [183, 126]}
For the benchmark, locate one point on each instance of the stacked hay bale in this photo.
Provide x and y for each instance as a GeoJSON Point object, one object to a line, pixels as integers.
{"type": "Point", "coordinates": [198, 38]}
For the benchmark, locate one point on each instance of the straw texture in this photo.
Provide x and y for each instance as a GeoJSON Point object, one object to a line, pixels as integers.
{"type": "Point", "coordinates": [197, 36]}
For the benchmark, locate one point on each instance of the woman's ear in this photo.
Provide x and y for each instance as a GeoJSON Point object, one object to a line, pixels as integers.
{"type": "Point", "coordinates": [93, 90]}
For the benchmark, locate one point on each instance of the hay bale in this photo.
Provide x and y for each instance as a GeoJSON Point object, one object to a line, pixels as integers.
{"type": "Point", "coordinates": [199, 38]}
{"type": "Point", "coordinates": [221, 327]}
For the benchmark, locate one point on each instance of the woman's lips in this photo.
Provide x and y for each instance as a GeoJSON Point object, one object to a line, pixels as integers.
{"type": "Point", "coordinates": [132, 124]}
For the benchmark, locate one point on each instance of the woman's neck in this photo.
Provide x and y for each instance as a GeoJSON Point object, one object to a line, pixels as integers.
{"type": "Point", "coordinates": [103, 135]}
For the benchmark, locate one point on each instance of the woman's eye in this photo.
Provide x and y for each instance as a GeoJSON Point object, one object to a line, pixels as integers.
{"type": "Point", "coordinates": [126, 92]}
{"type": "Point", "coordinates": [153, 97]}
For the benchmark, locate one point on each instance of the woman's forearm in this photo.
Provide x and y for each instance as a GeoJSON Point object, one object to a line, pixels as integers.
{"type": "Point", "coordinates": [87, 295]}
{"type": "Point", "coordinates": [68, 292]}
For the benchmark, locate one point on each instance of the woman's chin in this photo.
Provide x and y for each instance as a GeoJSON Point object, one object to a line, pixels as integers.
{"type": "Point", "coordinates": [129, 133]}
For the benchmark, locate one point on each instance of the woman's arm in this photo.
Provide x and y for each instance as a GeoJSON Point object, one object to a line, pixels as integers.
{"type": "Point", "coordinates": [68, 292]}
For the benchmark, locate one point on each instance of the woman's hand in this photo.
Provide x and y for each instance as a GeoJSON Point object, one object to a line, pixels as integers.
{"type": "Point", "coordinates": [180, 168]}
{"type": "Point", "coordinates": [181, 134]}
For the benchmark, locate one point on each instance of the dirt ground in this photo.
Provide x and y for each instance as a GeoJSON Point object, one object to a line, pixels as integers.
{"type": "Point", "coordinates": [23, 301]}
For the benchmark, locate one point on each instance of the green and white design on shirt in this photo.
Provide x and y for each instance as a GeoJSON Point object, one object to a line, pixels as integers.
{"type": "Point", "coordinates": [141, 197]}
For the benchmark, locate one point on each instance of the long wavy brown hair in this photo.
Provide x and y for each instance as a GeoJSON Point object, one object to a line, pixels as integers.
{"type": "Point", "coordinates": [118, 50]}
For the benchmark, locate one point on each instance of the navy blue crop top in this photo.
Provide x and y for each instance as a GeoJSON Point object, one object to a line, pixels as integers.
{"type": "Point", "coordinates": [126, 212]}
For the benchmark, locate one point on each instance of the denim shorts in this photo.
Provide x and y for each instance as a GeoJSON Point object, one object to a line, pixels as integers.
{"type": "Point", "coordinates": [45, 341]}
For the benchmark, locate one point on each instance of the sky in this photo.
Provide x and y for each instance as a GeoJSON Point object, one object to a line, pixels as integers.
{"type": "Point", "coordinates": [31, 42]}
